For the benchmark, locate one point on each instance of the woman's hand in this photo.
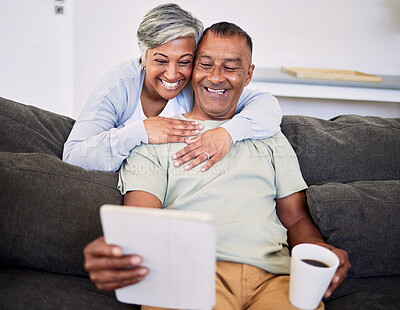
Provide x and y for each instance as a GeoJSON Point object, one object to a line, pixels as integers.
{"type": "Point", "coordinates": [109, 269]}
{"type": "Point", "coordinates": [162, 130]}
{"type": "Point", "coordinates": [212, 145]}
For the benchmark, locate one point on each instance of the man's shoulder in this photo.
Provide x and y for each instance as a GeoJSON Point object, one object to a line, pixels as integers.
{"type": "Point", "coordinates": [277, 144]}
{"type": "Point", "coordinates": [278, 139]}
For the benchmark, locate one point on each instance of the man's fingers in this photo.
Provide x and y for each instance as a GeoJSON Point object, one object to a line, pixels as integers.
{"type": "Point", "coordinates": [98, 247]}
{"type": "Point", "coordinates": [111, 263]}
{"type": "Point", "coordinates": [111, 280]}
{"type": "Point", "coordinates": [111, 286]}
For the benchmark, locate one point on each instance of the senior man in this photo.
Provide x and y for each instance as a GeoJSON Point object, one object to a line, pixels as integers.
{"type": "Point", "coordinates": [255, 193]}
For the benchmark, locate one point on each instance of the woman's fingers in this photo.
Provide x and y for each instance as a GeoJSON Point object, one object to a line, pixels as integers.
{"type": "Point", "coordinates": [212, 145]}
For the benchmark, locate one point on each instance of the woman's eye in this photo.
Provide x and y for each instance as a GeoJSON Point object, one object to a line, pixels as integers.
{"type": "Point", "coordinates": [185, 62]}
{"type": "Point", "coordinates": [160, 61]}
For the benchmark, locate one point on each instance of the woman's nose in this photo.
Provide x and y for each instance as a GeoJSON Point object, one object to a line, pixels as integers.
{"type": "Point", "coordinates": [171, 73]}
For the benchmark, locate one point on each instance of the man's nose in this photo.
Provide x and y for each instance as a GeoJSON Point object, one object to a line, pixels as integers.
{"type": "Point", "coordinates": [172, 72]}
{"type": "Point", "coordinates": [216, 76]}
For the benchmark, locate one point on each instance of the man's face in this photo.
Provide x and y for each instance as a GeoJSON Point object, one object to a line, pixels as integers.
{"type": "Point", "coordinates": [222, 69]}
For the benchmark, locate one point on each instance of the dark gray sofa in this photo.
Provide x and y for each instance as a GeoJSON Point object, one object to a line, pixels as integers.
{"type": "Point", "coordinates": [49, 209]}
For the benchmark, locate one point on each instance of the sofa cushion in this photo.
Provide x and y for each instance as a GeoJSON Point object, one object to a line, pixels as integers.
{"type": "Point", "coordinates": [27, 129]}
{"type": "Point", "coordinates": [365, 293]}
{"type": "Point", "coordinates": [363, 219]}
{"type": "Point", "coordinates": [345, 149]}
{"type": "Point", "coordinates": [23, 288]}
{"type": "Point", "coordinates": [50, 211]}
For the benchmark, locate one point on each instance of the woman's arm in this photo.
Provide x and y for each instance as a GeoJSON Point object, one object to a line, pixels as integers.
{"type": "Point", "coordinates": [258, 116]}
{"type": "Point", "coordinates": [100, 141]}
{"type": "Point", "coordinates": [95, 142]}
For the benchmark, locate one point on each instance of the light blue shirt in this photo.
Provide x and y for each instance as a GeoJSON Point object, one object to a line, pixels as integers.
{"type": "Point", "coordinates": [110, 125]}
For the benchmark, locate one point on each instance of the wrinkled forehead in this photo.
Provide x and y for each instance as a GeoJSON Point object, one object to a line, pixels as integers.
{"type": "Point", "coordinates": [215, 46]}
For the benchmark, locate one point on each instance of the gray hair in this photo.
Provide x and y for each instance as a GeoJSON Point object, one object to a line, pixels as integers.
{"type": "Point", "coordinates": [165, 23]}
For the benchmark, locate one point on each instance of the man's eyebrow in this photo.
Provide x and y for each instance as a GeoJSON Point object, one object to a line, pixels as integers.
{"type": "Point", "coordinates": [205, 56]}
{"type": "Point", "coordinates": [238, 60]}
{"type": "Point", "coordinates": [161, 54]}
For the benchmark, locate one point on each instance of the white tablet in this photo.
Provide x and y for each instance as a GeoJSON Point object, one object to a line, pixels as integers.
{"type": "Point", "coordinates": [177, 246]}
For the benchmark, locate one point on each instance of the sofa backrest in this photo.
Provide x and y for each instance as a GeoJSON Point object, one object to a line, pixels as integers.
{"type": "Point", "coordinates": [27, 129]}
{"type": "Point", "coordinates": [49, 210]}
{"type": "Point", "coordinates": [346, 149]}
{"type": "Point", "coordinates": [352, 166]}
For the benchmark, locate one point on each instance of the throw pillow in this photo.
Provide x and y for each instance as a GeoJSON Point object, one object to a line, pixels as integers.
{"type": "Point", "coordinates": [363, 219]}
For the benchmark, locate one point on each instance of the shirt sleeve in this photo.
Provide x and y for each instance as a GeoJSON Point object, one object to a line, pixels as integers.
{"type": "Point", "coordinates": [258, 116]}
{"type": "Point", "coordinates": [288, 177]}
{"type": "Point", "coordinates": [143, 171]}
{"type": "Point", "coordinates": [96, 142]}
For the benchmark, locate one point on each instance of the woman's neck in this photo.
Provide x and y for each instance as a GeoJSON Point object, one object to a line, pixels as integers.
{"type": "Point", "coordinates": [152, 102]}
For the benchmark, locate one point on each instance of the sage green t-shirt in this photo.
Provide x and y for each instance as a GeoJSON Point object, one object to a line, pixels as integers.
{"type": "Point", "coordinates": [239, 191]}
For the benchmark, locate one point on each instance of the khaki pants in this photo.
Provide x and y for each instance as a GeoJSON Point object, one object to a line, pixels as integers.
{"type": "Point", "coordinates": [241, 286]}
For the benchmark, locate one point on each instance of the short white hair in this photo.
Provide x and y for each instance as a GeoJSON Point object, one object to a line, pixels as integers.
{"type": "Point", "coordinates": [165, 23]}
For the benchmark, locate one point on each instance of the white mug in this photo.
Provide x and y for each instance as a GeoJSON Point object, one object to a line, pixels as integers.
{"type": "Point", "coordinates": [308, 280]}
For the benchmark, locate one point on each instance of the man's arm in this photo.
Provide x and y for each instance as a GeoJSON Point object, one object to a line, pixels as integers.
{"type": "Point", "coordinates": [141, 199]}
{"type": "Point", "coordinates": [293, 214]}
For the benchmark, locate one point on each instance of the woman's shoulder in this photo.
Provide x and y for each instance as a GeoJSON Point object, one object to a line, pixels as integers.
{"type": "Point", "coordinates": [127, 70]}
{"type": "Point", "coordinates": [118, 90]}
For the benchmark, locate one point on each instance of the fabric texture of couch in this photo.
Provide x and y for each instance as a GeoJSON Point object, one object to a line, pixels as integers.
{"type": "Point", "coordinates": [49, 210]}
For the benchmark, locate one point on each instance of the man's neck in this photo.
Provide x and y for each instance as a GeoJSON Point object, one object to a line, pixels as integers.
{"type": "Point", "coordinates": [201, 115]}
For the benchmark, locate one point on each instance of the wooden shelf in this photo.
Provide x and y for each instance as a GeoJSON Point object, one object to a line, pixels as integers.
{"type": "Point", "coordinates": [330, 74]}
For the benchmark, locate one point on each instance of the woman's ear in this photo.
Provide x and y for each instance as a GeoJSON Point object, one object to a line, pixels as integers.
{"type": "Point", "coordinates": [143, 59]}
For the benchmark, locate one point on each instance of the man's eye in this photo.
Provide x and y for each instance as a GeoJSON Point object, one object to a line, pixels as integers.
{"type": "Point", "coordinates": [205, 65]}
{"type": "Point", "coordinates": [230, 68]}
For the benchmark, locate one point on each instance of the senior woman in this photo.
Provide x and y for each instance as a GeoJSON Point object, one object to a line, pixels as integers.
{"type": "Point", "coordinates": [133, 103]}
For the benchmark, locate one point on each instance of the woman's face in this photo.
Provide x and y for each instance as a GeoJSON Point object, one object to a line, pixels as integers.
{"type": "Point", "coordinates": [169, 67]}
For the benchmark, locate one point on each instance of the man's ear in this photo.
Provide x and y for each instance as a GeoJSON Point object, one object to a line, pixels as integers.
{"type": "Point", "coordinates": [249, 75]}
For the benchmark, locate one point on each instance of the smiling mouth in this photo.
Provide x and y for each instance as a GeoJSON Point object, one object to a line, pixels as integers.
{"type": "Point", "coordinates": [215, 91]}
{"type": "Point", "coordinates": [170, 86]}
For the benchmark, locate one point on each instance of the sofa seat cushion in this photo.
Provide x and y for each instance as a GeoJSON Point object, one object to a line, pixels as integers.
{"type": "Point", "coordinates": [50, 211]}
{"type": "Point", "coordinates": [345, 149]}
{"type": "Point", "coordinates": [366, 293]}
{"type": "Point", "coordinates": [363, 219]}
{"type": "Point", "coordinates": [24, 288]}
{"type": "Point", "coordinates": [27, 129]}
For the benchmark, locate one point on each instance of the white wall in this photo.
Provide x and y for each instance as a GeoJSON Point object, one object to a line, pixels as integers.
{"type": "Point", "coordinates": [356, 35]}
{"type": "Point", "coordinates": [36, 54]}
{"type": "Point", "coordinates": [54, 61]}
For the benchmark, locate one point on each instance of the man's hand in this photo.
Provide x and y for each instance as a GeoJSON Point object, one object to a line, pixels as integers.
{"type": "Point", "coordinates": [293, 214]}
{"type": "Point", "coordinates": [341, 272]}
{"type": "Point", "coordinates": [109, 269]}
{"type": "Point", "coordinates": [212, 145]}
{"type": "Point", "coordinates": [162, 129]}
